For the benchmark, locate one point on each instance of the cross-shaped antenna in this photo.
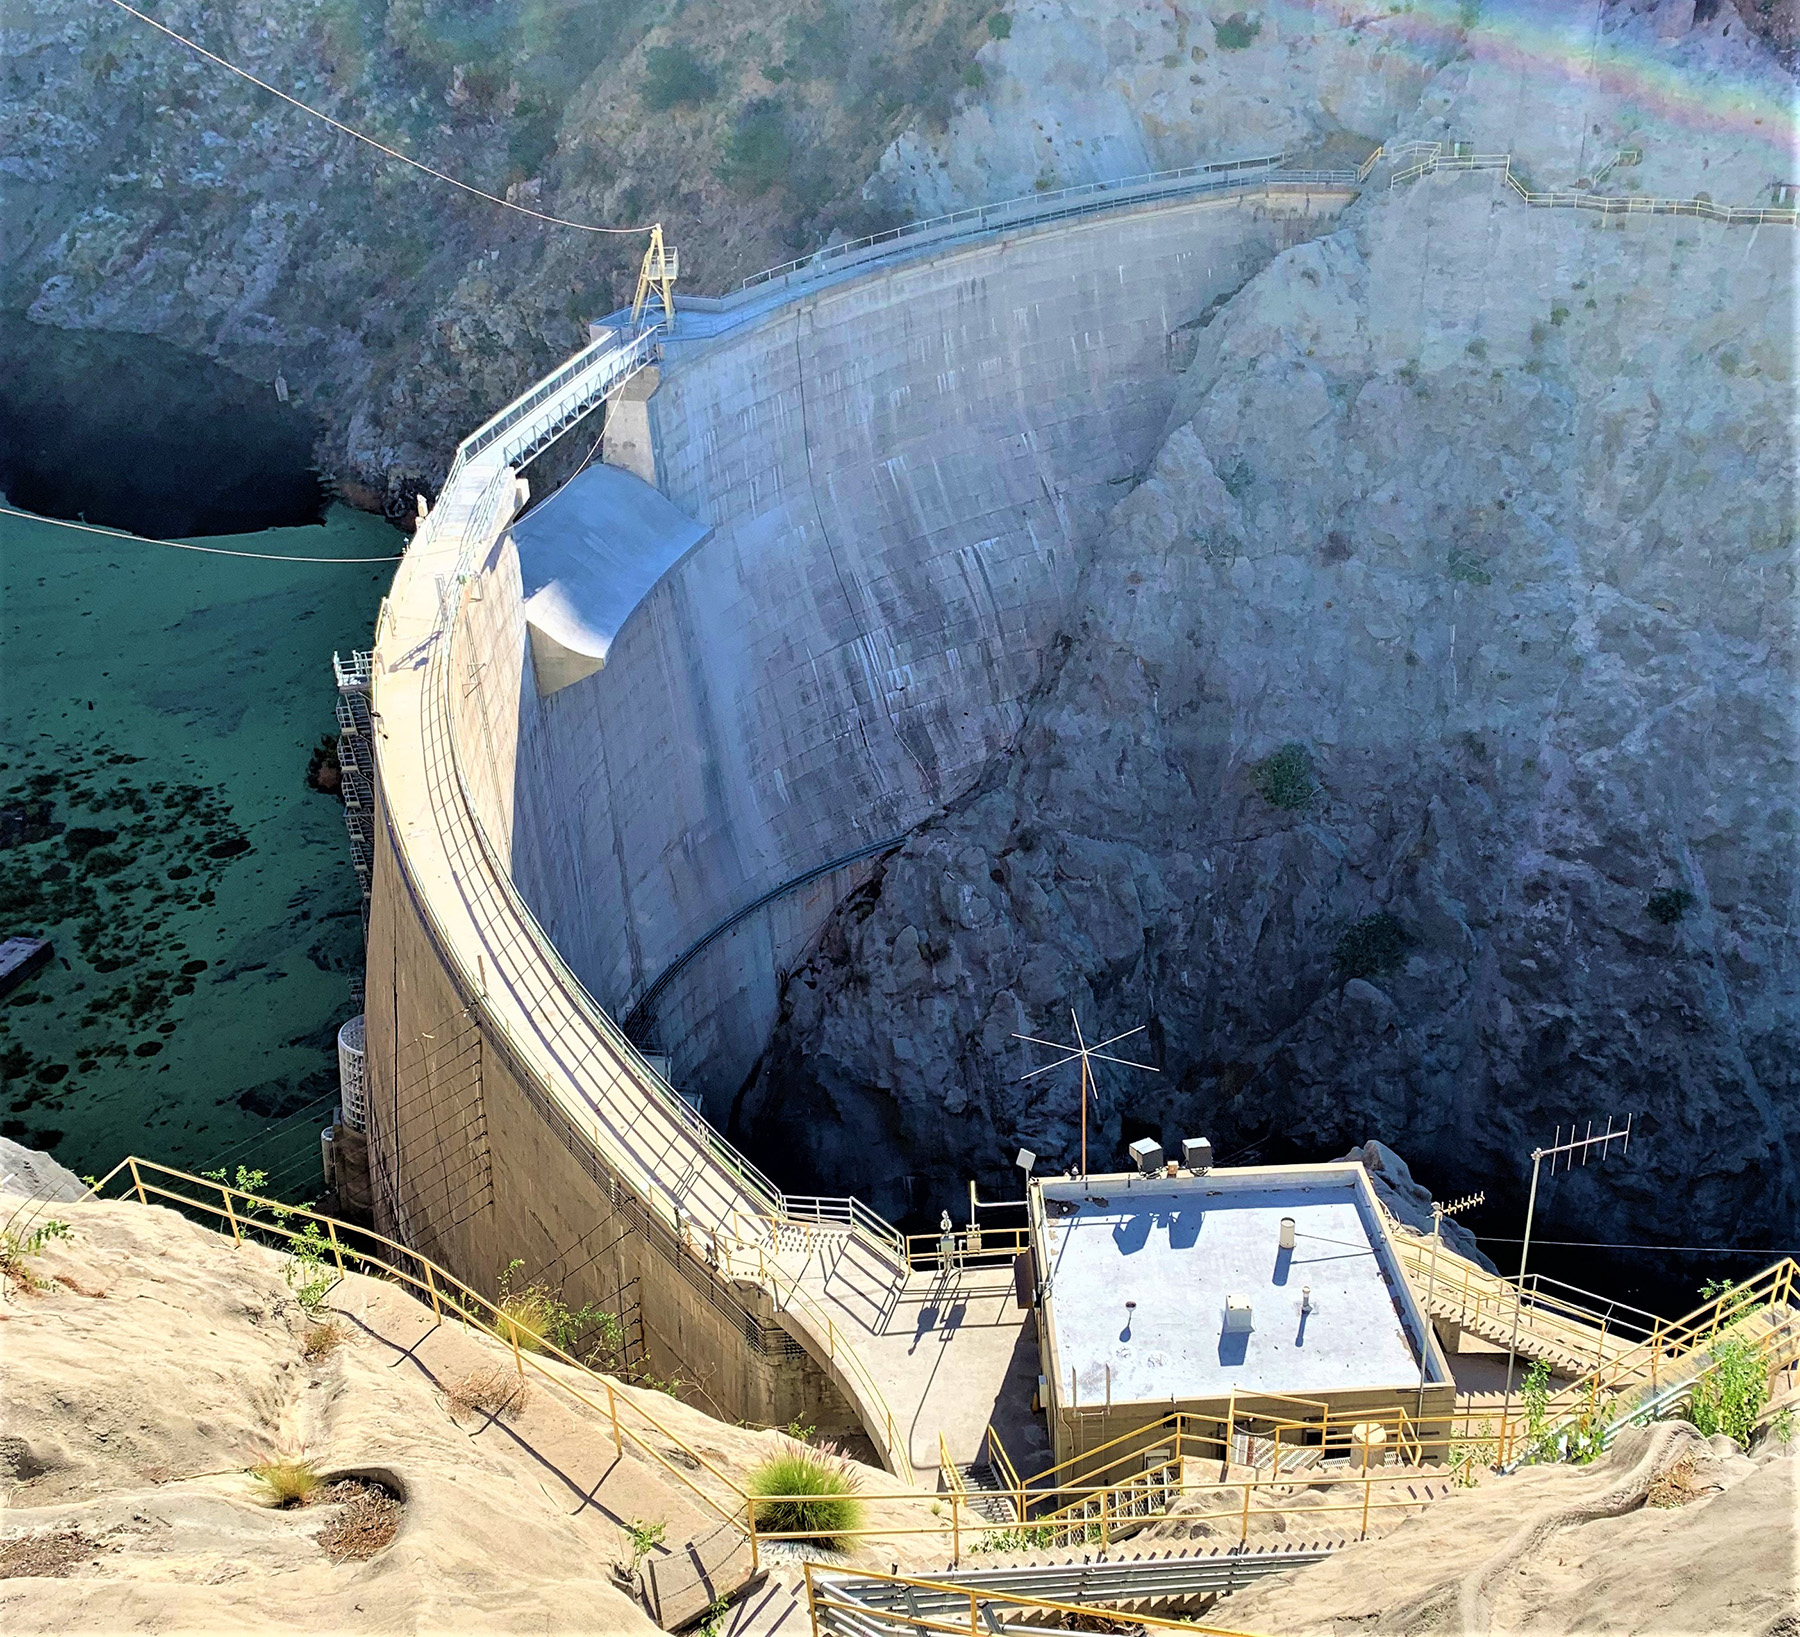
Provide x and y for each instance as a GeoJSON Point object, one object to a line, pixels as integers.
{"type": "Point", "coordinates": [1086, 1054]}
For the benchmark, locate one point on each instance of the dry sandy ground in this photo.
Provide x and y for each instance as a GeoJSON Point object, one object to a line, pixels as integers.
{"type": "Point", "coordinates": [1570, 1552]}
{"type": "Point", "coordinates": [159, 1362]}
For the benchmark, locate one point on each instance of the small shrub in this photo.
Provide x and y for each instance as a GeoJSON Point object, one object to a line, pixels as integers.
{"type": "Point", "coordinates": [1482, 1450]}
{"type": "Point", "coordinates": [306, 1274]}
{"type": "Point", "coordinates": [675, 78]}
{"type": "Point", "coordinates": [1020, 1538]}
{"type": "Point", "coordinates": [1730, 1396]}
{"type": "Point", "coordinates": [1370, 946]}
{"type": "Point", "coordinates": [18, 1246]}
{"type": "Point", "coordinates": [818, 47]}
{"type": "Point", "coordinates": [973, 77]}
{"type": "Point", "coordinates": [1782, 1427]}
{"type": "Point", "coordinates": [755, 154]}
{"type": "Point", "coordinates": [999, 25]}
{"type": "Point", "coordinates": [813, 1500]}
{"type": "Point", "coordinates": [290, 1483]}
{"type": "Point", "coordinates": [1668, 906]}
{"type": "Point", "coordinates": [1285, 779]}
{"type": "Point", "coordinates": [246, 1182]}
{"type": "Point", "coordinates": [321, 1340]}
{"type": "Point", "coordinates": [1534, 1392]}
{"type": "Point", "coordinates": [1237, 32]}
{"type": "Point", "coordinates": [491, 1391]}
{"type": "Point", "coordinates": [536, 1315]}
{"type": "Point", "coordinates": [525, 1315]}
{"type": "Point", "coordinates": [643, 1537]}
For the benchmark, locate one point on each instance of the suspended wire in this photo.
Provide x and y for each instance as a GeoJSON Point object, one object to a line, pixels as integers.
{"type": "Point", "coordinates": [380, 147]}
{"type": "Point", "coordinates": [307, 1112]}
{"type": "Point", "coordinates": [182, 545]}
{"type": "Point", "coordinates": [1600, 1244]}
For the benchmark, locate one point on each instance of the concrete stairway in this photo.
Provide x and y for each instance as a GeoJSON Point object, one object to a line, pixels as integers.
{"type": "Point", "coordinates": [986, 1494]}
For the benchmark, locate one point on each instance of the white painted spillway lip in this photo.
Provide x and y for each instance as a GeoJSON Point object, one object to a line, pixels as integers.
{"type": "Point", "coordinates": [588, 557]}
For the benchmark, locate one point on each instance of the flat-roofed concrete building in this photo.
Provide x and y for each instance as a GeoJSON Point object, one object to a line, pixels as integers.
{"type": "Point", "coordinates": [1251, 1295]}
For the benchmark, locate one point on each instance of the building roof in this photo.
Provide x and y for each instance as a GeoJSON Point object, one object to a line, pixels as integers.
{"type": "Point", "coordinates": [1179, 1247]}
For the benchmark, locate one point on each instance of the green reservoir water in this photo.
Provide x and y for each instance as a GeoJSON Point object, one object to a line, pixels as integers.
{"type": "Point", "coordinates": [155, 824]}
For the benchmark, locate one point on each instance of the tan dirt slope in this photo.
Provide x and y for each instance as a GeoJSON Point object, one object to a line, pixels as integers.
{"type": "Point", "coordinates": [156, 1363]}
{"type": "Point", "coordinates": [1668, 1536]}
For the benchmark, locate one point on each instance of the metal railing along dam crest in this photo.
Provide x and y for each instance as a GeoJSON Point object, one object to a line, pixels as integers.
{"type": "Point", "coordinates": [509, 1113]}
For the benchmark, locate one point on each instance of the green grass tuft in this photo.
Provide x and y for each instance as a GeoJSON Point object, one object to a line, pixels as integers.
{"type": "Point", "coordinates": [1285, 779]}
{"type": "Point", "coordinates": [291, 1483]}
{"type": "Point", "coordinates": [810, 1498]}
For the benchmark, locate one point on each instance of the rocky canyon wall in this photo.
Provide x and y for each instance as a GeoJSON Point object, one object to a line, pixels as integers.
{"type": "Point", "coordinates": [1421, 763]}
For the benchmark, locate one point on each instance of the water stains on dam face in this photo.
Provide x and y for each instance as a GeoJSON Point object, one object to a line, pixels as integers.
{"type": "Point", "coordinates": [897, 478]}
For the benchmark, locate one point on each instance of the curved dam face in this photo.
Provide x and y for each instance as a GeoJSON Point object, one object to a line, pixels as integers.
{"type": "Point", "coordinates": [892, 481]}
{"type": "Point", "coordinates": [628, 751]}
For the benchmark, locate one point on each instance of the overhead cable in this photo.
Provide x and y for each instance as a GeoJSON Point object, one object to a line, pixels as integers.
{"type": "Point", "coordinates": [182, 545]}
{"type": "Point", "coordinates": [380, 147]}
{"type": "Point", "coordinates": [1600, 1244]}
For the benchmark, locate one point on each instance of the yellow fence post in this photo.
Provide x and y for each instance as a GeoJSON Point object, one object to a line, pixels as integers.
{"type": "Point", "coordinates": [1244, 1531]}
{"type": "Point", "coordinates": [230, 1215]}
{"type": "Point", "coordinates": [431, 1285]}
{"type": "Point", "coordinates": [1367, 1485]}
{"type": "Point", "coordinates": [336, 1250]}
{"type": "Point", "coordinates": [137, 1180]}
{"type": "Point", "coordinates": [956, 1532]}
{"type": "Point", "coordinates": [612, 1409]}
{"type": "Point", "coordinates": [974, 1630]}
{"type": "Point", "coordinates": [755, 1556]}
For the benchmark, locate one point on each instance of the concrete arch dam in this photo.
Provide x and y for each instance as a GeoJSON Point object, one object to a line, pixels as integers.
{"type": "Point", "coordinates": [794, 612]}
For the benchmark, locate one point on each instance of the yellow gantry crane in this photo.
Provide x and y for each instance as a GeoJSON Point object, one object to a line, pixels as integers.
{"type": "Point", "coordinates": [658, 274]}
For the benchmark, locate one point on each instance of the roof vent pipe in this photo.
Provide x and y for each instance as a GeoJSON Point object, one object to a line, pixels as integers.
{"type": "Point", "coordinates": [1287, 1233]}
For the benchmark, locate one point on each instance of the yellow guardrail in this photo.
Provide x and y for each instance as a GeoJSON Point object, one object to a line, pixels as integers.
{"type": "Point", "coordinates": [965, 1248]}
{"type": "Point", "coordinates": [350, 1249]}
{"type": "Point", "coordinates": [1425, 158]}
{"type": "Point", "coordinates": [1056, 1498]}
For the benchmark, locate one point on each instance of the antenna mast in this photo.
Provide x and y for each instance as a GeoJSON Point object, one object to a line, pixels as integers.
{"type": "Point", "coordinates": [1086, 1055]}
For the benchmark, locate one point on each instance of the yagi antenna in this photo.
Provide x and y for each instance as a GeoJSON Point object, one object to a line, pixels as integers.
{"type": "Point", "coordinates": [1086, 1055]}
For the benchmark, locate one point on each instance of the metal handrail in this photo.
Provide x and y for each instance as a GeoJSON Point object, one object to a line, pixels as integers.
{"type": "Point", "coordinates": [239, 1209]}
{"type": "Point", "coordinates": [916, 1615]}
{"type": "Point", "coordinates": [1031, 206]}
{"type": "Point", "coordinates": [1433, 158]}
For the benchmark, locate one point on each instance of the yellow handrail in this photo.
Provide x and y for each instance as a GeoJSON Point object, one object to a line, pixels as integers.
{"type": "Point", "coordinates": [440, 1286]}
{"type": "Point", "coordinates": [1433, 158]}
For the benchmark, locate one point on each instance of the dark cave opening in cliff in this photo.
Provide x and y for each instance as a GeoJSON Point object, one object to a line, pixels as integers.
{"type": "Point", "coordinates": [132, 433]}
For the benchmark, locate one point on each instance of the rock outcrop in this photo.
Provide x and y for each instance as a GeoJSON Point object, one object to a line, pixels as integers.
{"type": "Point", "coordinates": [1420, 760]}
